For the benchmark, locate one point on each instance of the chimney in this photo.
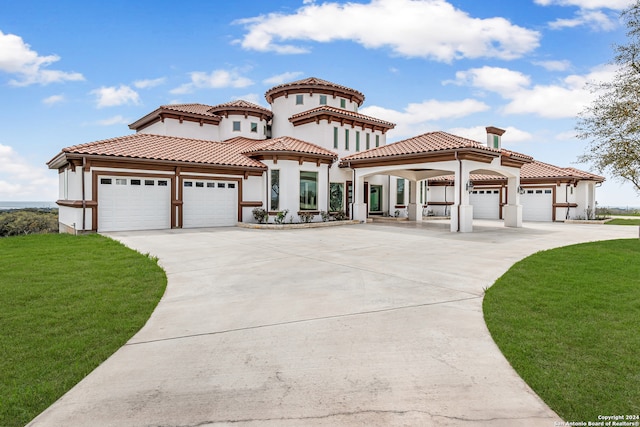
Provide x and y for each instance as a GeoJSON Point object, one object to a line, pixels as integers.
{"type": "Point", "coordinates": [494, 137]}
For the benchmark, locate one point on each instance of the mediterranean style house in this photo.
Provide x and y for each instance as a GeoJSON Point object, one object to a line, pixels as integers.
{"type": "Point", "coordinates": [194, 165]}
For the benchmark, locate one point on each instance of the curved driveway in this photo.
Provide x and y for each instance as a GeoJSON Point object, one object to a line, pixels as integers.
{"type": "Point", "coordinates": [361, 325]}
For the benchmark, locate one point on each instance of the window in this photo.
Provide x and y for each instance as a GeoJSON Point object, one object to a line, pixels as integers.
{"type": "Point", "coordinates": [547, 191]}
{"type": "Point", "coordinates": [377, 140]}
{"type": "Point", "coordinates": [106, 181]}
{"type": "Point", "coordinates": [336, 196]}
{"type": "Point", "coordinates": [308, 190]}
{"type": "Point", "coordinates": [121, 181]}
{"type": "Point", "coordinates": [236, 126]}
{"type": "Point", "coordinates": [357, 140]}
{"type": "Point", "coordinates": [135, 182]}
{"type": "Point", "coordinates": [335, 137]}
{"type": "Point", "coordinates": [188, 184]}
{"type": "Point", "coordinates": [254, 127]}
{"type": "Point", "coordinates": [299, 99]}
{"type": "Point", "coordinates": [368, 141]}
{"type": "Point", "coordinates": [230, 185]}
{"type": "Point", "coordinates": [400, 192]}
{"type": "Point", "coordinates": [211, 185]}
{"type": "Point", "coordinates": [496, 141]}
{"type": "Point", "coordinates": [200, 184]}
{"type": "Point", "coordinates": [343, 103]}
{"type": "Point", "coordinates": [149, 182]}
{"type": "Point", "coordinates": [346, 139]}
{"type": "Point", "coordinates": [323, 99]}
{"type": "Point", "coordinates": [529, 191]}
{"type": "Point", "coordinates": [275, 190]}
{"type": "Point", "coordinates": [538, 191]}
{"type": "Point", "coordinates": [221, 185]}
{"type": "Point", "coordinates": [162, 183]}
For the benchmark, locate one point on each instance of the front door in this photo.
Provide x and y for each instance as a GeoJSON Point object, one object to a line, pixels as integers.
{"type": "Point", "coordinates": [375, 198]}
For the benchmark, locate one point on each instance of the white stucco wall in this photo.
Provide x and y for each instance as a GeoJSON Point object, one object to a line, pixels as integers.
{"type": "Point", "coordinates": [227, 132]}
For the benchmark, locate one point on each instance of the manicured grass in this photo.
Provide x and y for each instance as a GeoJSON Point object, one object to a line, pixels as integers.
{"type": "Point", "coordinates": [68, 302]}
{"type": "Point", "coordinates": [568, 321]}
{"type": "Point", "coordinates": [623, 221]}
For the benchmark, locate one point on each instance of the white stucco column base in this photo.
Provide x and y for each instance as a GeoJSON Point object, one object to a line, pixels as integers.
{"type": "Point", "coordinates": [466, 218]}
{"type": "Point", "coordinates": [359, 211]}
{"type": "Point", "coordinates": [415, 211]}
{"type": "Point", "coordinates": [513, 216]}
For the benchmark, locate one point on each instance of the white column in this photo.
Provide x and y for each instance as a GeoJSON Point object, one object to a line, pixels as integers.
{"type": "Point", "coordinates": [415, 207]}
{"type": "Point", "coordinates": [461, 210]}
{"type": "Point", "coordinates": [358, 208]}
{"type": "Point", "coordinates": [513, 208]}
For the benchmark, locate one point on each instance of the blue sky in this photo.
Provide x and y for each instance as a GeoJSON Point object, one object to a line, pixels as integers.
{"type": "Point", "coordinates": [73, 72]}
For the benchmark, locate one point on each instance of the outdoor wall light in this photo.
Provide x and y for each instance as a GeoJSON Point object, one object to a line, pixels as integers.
{"type": "Point", "coordinates": [469, 186]}
{"type": "Point", "coordinates": [520, 189]}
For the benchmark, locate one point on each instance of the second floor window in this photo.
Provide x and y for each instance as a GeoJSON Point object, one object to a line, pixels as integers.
{"type": "Point", "coordinates": [299, 99]}
{"type": "Point", "coordinates": [236, 126]}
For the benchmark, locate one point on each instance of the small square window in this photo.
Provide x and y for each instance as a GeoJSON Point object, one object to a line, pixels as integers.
{"type": "Point", "coordinates": [547, 191]}
{"type": "Point", "coordinates": [254, 127]}
{"type": "Point", "coordinates": [162, 183]}
{"type": "Point", "coordinates": [149, 182]}
{"type": "Point", "coordinates": [211, 184]}
{"type": "Point", "coordinates": [323, 99]}
{"type": "Point", "coordinates": [121, 181]}
{"type": "Point", "coordinates": [135, 182]}
{"type": "Point", "coordinates": [106, 181]}
{"type": "Point", "coordinates": [231, 186]}
{"type": "Point", "coordinates": [343, 103]}
{"type": "Point", "coordinates": [529, 191]}
{"type": "Point", "coordinates": [188, 184]}
{"type": "Point", "coordinates": [221, 185]}
{"type": "Point", "coordinates": [200, 184]}
{"type": "Point", "coordinates": [299, 99]}
{"type": "Point", "coordinates": [236, 126]}
{"type": "Point", "coordinates": [538, 191]}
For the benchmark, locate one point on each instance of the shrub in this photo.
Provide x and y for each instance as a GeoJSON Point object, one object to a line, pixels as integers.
{"type": "Point", "coordinates": [306, 217]}
{"type": "Point", "coordinates": [340, 215]}
{"type": "Point", "coordinates": [28, 221]}
{"type": "Point", "coordinates": [325, 216]}
{"type": "Point", "coordinates": [260, 215]}
{"type": "Point", "coordinates": [281, 216]}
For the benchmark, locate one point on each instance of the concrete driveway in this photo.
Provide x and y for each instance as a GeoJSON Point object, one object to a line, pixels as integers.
{"type": "Point", "coordinates": [361, 325]}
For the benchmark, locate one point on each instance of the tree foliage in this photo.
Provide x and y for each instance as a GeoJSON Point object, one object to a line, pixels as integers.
{"type": "Point", "coordinates": [612, 122]}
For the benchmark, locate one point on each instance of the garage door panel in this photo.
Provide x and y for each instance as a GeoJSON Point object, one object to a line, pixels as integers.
{"type": "Point", "coordinates": [537, 204]}
{"type": "Point", "coordinates": [210, 203]}
{"type": "Point", "coordinates": [486, 203]}
{"type": "Point", "coordinates": [133, 203]}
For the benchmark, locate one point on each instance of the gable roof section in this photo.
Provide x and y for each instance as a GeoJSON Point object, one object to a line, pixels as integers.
{"type": "Point", "coordinates": [314, 85]}
{"type": "Point", "coordinates": [340, 115]}
{"type": "Point", "coordinates": [191, 112]}
{"type": "Point", "coordinates": [144, 146]}
{"type": "Point", "coordinates": [431, 145]}
{"type": "Point", "coordinates": [283, 147]}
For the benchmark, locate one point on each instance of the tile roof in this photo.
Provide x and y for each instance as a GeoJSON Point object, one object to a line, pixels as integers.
{"type": "Point", "coordinates": [314, 83]}
{"type": "Point", "coordinates": [170, 148]}
{"type": "Point", "coordinates": [340, 112]}
{"type": "Point", "coordinates": [198, 109]}
{"type": "Point", "coordinates": [289, 144]}
{"type": "Point", "coordinates": [428, 142]}
{"type": "Point", "coordinates": [240, 105]}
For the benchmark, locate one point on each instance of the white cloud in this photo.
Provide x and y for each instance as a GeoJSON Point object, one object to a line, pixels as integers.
{"type": "Point", "coordinates": [148, 83]}
{"type": "Point", "coordinates": [282, 78]}
{"type": "Point", "coordinates": [215, 80]}
{"type": "Point", "coordinates": [115, 120]}
{"type": "Point", "coordinates": [596, 19]}
{"type": "Point", "coordinates": [553, 65]}
{"type": "Point", "coordinates": [113, 96]}
{"type": "Point", "coordinates": [20, 180]}
{"type": "Point", "coordinates": [53, 99]}
{"type": "Point", "coordinates": [251, 97]}
{"type": "Point", "coordinates": [566, 98]}
{"type": "Point", "coordinates": [418, 117]}
{"type": "Point", "coordinates": [16, 57]}
{"type": "Point", "coordinates": [588, 4]}
{"type": "Point", "coordinates": [479, 133]}
{"type": "Point", "coordinates": [432, 29]}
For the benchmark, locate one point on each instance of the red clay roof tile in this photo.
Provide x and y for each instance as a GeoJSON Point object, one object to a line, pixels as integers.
{"type": "Point", "coordinates": [338, 113]}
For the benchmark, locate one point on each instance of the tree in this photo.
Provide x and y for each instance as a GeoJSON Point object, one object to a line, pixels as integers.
{"type": "Point", "coordinates": [612, 122]}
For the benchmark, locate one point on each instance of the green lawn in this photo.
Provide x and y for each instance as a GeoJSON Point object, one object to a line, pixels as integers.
{"type": "Point", "coordinates": [68, 302]}
{"type": "Point", "coordinates": [623, 221]}
{"type": "Point", "coordinates": [568, 321]}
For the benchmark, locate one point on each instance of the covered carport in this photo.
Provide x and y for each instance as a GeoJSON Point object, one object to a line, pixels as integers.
{"type": "Point", "coordinates": [435, 154]}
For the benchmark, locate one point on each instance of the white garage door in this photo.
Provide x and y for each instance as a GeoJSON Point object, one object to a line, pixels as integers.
{"type": "Point", "coordinates": [209, 203]}
{"type": "Point", "coordinates": [537, 204]}
{"type": "Point", "coordinates": [486, 203]}
{"type": "Point", "coordinates": [133, 203]}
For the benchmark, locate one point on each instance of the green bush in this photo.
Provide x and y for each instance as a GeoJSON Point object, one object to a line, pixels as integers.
{"type": "Point", "coordinates": [28, 221]}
